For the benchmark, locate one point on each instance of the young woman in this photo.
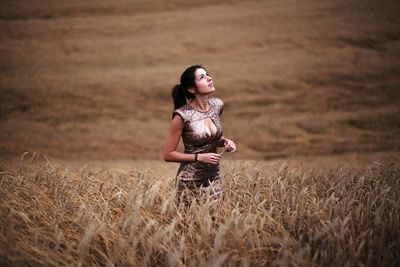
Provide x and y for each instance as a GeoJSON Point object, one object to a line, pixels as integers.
{"type": "Point", "coordinates": [196, 118]}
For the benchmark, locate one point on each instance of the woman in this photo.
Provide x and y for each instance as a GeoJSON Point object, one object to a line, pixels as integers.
{"type": "Point", "coordinates": [196, 118]}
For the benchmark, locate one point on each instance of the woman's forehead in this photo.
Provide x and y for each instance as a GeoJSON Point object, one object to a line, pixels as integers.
{"type": "Point", "coordinates": [199, 72]}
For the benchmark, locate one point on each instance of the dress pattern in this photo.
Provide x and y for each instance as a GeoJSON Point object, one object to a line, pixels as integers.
{"type": "Point", "coordinates": [200, 177]}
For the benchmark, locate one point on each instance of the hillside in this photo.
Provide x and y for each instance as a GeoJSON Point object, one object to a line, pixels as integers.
{"type": "Point", "coordinates": [93, 80]}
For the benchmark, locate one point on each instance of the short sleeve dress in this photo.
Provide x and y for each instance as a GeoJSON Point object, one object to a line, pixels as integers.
{"type": "Point", "coordinates": [198, 176]}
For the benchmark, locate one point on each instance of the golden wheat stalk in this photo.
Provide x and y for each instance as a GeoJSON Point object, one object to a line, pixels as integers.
{"type": "Point", "coordinates": [276, 215]}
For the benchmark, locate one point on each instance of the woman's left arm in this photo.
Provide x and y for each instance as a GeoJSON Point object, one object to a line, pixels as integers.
{"type": "Point", "coordinates": [229, 145]}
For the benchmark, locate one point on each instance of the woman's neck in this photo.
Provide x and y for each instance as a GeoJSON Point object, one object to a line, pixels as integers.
{"type": "Point", "coordinates": [200, 103]}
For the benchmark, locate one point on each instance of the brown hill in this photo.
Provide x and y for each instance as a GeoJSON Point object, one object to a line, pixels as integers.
{"type": "Point", "coordinates": [92, 80]}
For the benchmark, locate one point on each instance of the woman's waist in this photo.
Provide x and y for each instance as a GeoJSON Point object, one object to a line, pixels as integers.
{"type": "Point", "coordinates": [204, 149]}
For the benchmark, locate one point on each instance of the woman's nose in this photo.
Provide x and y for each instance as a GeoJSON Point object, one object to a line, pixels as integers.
{"type": "Point", "coordinates": [209, 78]}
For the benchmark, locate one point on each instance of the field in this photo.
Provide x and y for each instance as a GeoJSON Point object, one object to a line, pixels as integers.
{"type": "Point", "coordinates": [311, 92]}
{"type": "Point", "coordinates": [271, 214]}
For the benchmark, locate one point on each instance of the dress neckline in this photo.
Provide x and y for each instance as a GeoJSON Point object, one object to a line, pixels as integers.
{"type": "Point", "coordinates": [208, 100]}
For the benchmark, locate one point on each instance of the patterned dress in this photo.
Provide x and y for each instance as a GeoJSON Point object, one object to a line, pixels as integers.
{"type": "Point", "coordinates": [200, 177]}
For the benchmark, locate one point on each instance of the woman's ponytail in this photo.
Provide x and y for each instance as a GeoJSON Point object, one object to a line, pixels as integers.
{"type": "Point", "coordinates": [180, 91]}
{"type": "Point", "coordinates": [178, 95]}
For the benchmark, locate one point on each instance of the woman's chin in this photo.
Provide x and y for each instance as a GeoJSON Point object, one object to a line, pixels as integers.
{"type": "Point", "coordinates": [209, 91]}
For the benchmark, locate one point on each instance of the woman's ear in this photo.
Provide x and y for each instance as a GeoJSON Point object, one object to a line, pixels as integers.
{"type": "Point", "coordinates": [192, 90]}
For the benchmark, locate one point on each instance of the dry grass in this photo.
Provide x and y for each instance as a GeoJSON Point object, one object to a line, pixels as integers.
{"type": "Point", "coordinates": [52, 215]}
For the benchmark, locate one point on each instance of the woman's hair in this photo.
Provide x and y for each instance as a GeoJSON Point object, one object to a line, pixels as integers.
{"type": "Point", "coordinates": [180, 92]}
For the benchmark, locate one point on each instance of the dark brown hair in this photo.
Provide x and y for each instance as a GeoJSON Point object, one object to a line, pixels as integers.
{"type": "Point", "coordinates": [180, 92]}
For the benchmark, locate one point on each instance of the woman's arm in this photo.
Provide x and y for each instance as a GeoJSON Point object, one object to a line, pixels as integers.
{"type": "Point", "coordinates": [229, 145]}
{"type": "Point", "coordinates": [172, 141]}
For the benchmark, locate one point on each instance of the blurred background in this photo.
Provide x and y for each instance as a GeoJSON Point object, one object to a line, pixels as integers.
{"type": "Point", "coordinates": [91, 80]}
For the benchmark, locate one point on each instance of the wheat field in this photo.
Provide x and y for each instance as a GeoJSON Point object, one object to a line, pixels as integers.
{"type": "Point", "coordinates": [57, 215]}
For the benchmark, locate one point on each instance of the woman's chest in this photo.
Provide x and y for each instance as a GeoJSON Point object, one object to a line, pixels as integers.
{"type": "Point", "coordinates": [203, 129]}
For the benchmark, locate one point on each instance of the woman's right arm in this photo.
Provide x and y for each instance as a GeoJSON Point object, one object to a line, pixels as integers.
{"type": "Point", "coordinates": [172, 141]}
{"type": "Point", "coordinates": [175, 132]}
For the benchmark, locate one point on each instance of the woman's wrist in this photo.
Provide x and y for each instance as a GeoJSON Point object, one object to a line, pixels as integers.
{"type": "Point", "coordinates": [196, 155]}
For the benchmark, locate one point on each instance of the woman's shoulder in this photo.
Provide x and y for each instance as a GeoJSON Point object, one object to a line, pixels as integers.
{"type": "Point", "coordinates": [183, 112]}
{"type": "Point", "coordinates": [217, 101]}
{"type": "Point", "coordinates": [218, 104]}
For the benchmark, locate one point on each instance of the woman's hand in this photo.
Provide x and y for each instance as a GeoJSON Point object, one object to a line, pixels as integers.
{"type": "Point", "coordinates": [229, 145]}
{"type": "Point", "coordinates": [212, 158]}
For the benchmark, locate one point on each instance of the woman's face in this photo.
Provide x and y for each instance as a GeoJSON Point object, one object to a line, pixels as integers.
{"type": "Point", "coordinates": [203, 82]}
